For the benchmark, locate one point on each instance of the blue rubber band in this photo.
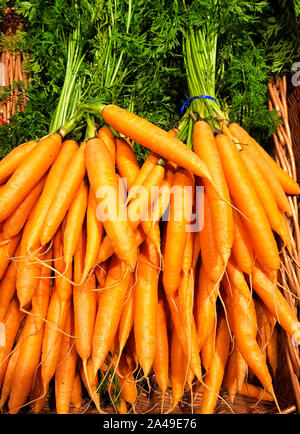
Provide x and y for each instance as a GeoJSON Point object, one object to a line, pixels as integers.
{"type": "Point", "coordinates": [190, 99]}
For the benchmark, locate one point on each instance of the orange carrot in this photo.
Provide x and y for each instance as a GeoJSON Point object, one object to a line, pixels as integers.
{"type": "Point", "coordinates": [15, 222]}
{"type": "Point", "coordinates": [76, 398]}
{"type": "Point", "coordinates": [74, 222]}
{"type": "Point", "coordinates": [65, 371]}
{"type": "Point", "coordinates": [208, 350]}
{"type": "Point", "coordinates": [126, 380]}
{"type": "Point", "coordinates": [144, 172]}
{"type": "Point", "coordinates": [159, 141]}
{"type": "Point", "coordinates": [63, 283]}
{"type": "Point", "coordinates": [52, 183]}
{"type": "Point", "coordinates": [266, 170]}
{"type": "Point", "coordinates": [230, 376]}
{"type": "Point", "coordinates": [204, 145]}
{"type": "Point", "coordinates": [111, 303]}
{"type": "Point", "coordinates": [11, 321]}
{"type": "Point", "coordinates": [52, 339]}
{"type": "Point", "coordinates": [245, 325]}
{"type": "Point", "coordinates": [90, 382]}
{"type": "Point", "coordinates": [30, 171]}
{"type": "Point", "coordinates": [145, 308]}
{"type": "Point", "coordinates": [206, 296]}
{"type": "Point", "coordinates": [245, 197]}
{"type": "Point", "coordinates": [176, 232]}
{"type": "Point", "coordinates": [258, 393]}
{"type": "Point", "coordinates": [264, 194]}
{"type": "Point", "coordinates": [178, 369]}
{"type": "Point", "coordinates": [211, 257]}
{"type": "Point", "coordinates": [103, 181]}
{"type": "Point", "coordinates": [127, 316]}
{"type": "Point", "coordinates": [31, 343]}
{"type": "Point", "coordinates": [126, 162]}
{"type": "Point", "coordinates": [107, 136]}
{"type": "Point", "coordinates": [9, 374]}
{"type": "Point", "coordinates": [215, 373]}
{"type": "Point", "coordinates": [64, 195]}
{"type": "Point", "coordinates": [8, 287]}
{"type": "Point", "coordinates": [12, 160]}
{"type": "Point", "coordinates": [288, 184]}
{"type": "Point", "coordinates": [161, 359]}
{"type": "Point", "coordinates": [7, 250]}
{"type": "Point", "coordinates": [275, 302]}
{"type": "Point", "coordinates": [85, 301]}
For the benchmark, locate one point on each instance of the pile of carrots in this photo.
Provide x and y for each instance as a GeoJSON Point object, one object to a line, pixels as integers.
{"type": "Point", "coordinates": [100, 291]}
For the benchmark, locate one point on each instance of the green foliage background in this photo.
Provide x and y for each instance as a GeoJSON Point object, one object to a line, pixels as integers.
{"type": "Point", "coordinates": [255, 39]}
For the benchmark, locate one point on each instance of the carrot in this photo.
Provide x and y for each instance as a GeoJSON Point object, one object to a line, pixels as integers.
{"type": "Point", "coordinates": [206, 296]}
{"type": "Point", "coordinates": [101, 271]}
{"type": "Point", "coordinates": [127, 316]}
{"type": "Point", "coordinates": [245, 198]}
{"type": "Point", "coordinates": [52, 183]}
{"type": "Point", "coordinates": [161, 359]}
{"type": "Point", "coordinates": [230, 376]}
{"type": "Point", "coordinates": [145, 308]}
{"type": "Point", "coordinates": [242, 248]}
{"type": "Point", "coordinates": [29, 172]}
{"type": "Point", "coordinates": [90, 382]}
{"type": "Point", "coordinates": [126, 380]}
{"type": "Point", "coordinates": [264, 194]}
{"type": "Point", "coordinates": [245, 325]}
{"type": "Point", "coordinates": [85, 303]}
{"type": "Point", "coordinates": [63, 283]}
{"type": "Point", "coordinates": [211, 257]}
{"type": "Point", "coordinates": [7, 250]}
{"type": "Point", "coordinates": [162, 201]}
{"type": "Point", "coordinates": [152, 230]}
{"type": "Point", "coordinates": [76, 397]}
{"type": "Point", "coordinates": [208, 350]}
{"type": "Point", "coordinates": [145, 194]}
{"type": "Point", "coordinates": [178, 369]}
{"type": "Point", "coordinates": [15, 157]}
{"type": "Point", "coordinates": [275, 302]}
{"type": "Point", "coordinates": [15, 222]}
{"type": "Point", "coordinates": [94, 234]}
{"type": "Point", "coordinates": [8, 287]}
{"type": "Point", "coordinates": [186, 300]}
{"type": "Point", "coordinates": [11, 321]}
{"type": "Point", "coordinates": [204, 145]}
{"type": "Point", "coordinates": [215, 373]}
{"type": "Point", "coordinates": [111, 303]}
{"type": "Point", "coordinates": [144, 172]}
{"type": "Point", "coordinates": [272, 351]}
{"type": "Point", "coordinates": [31, 343]}
{"type": "Point", "coordinates": [287, 183]}
{"type": "Point", "coordinates": [52, 339]}
{"type": "Point", "coordinates": [258, 393]}
{"type": "Point", "coordinates": [103, 181]}
{"type": "Point", "coordinates": [126, 162]}
{"type": "Point", "coordinates": [176, 232]}
{"type": "Point", "coordinates": [262, 323]}
{"type": "Point", "coordinates": [29, 271]}
{"type": "Point", "coordinates": [191, 349]}
{"type": "Point", "coordinates": [65, 371]}
{"type": "Point", "coordinates": [266, 170]}
{"type": "Point", "coordinates": [74, 222]}
{"type": "Point", "coordinates": [241, 368]}
{"type": "Point", "coordinates": [37, 396]}
{"type": "Point", "coordinates": [159, 141]}
{"type": "Point", "coordinates": [107, 136]}
{"type": "Point", "coordinates": [9, 374]}
{"type": "Point", "coordinates": [64, 195]}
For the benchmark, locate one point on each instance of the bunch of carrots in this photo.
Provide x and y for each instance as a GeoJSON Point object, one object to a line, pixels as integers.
{"type": "Point", "coordinates": [99, 290]}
